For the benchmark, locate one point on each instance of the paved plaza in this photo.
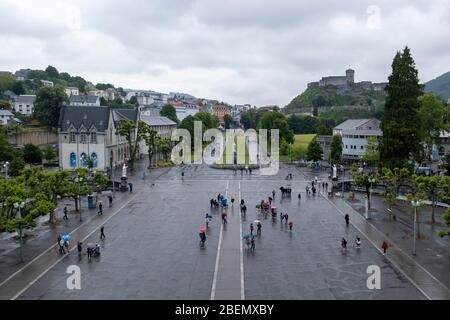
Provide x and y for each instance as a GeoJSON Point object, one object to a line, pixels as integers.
{"type": "Point", "coordinates": [151, 250]}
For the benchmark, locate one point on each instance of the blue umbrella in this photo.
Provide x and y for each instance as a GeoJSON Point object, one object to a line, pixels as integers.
{"type": "Point", "coordinates": [66, 237]}
{"type": "Point", "coordinates": [246, 236]}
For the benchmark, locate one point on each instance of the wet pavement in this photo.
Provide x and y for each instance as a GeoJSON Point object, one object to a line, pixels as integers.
{"type": "Point", "coordinates": [151, 250]}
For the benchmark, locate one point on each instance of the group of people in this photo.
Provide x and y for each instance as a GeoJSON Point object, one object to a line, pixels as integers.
{"type": "Point", "coordinates": [63, 245]}
{"type": "Point", "coordinates": [247, 170]}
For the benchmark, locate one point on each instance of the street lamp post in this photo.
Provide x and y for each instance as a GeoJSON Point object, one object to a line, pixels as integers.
{"type": "Point", "coordinates": [79, 179]}
{"type": "Point", "coordinates": [343, 178]}
{"type": "Point", "coordinates": [20, 206]}
{"type": "Point", "coordinates": [415, 204]}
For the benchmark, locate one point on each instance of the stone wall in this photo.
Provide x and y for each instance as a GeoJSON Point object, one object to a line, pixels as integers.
{"type": "Point", "coordinates": [38, 137]}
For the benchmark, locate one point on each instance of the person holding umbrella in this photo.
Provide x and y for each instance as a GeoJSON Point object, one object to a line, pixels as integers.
{"type": "Point", "coordinates": [290, 225]}
{"type": "Point", "coordinates": [202, 235]}
{"type": "Point", "coordinates": [252, 244]}
{"type": "Point", "coordinates": [384, 246]}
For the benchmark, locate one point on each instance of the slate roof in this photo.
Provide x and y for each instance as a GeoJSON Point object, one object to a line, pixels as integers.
{"type": "Point", "coordinates": [25, 99]}
{"type": "Point", "coordinates": [123, 114]}
{"type": "Point", "coordinates": [157, 121]}
{"type": "Point", "coordinates": [351, 124]}
{"type": "Point", "coordinates": [82, 99]}
{"type": "Point", "coordinates": [84, 115]}
{"type": "Point", "coordinates": [6, 113]}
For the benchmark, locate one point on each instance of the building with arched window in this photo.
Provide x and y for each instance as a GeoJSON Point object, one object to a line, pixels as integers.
{"type": "Point", "coordinates": [90, 132]}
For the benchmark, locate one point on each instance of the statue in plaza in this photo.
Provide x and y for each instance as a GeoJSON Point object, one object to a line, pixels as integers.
{"type": "Point", "coordinates": [124, 170]}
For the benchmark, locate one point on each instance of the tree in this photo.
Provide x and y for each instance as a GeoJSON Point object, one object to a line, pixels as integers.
{"type": "Point", "coordinates": [371, 155]}
{"type": "Point", "coordinates": [432, 122]}
{"type": "Point", "coordinates": [164, 145]}
{"type": "Point", "coordinates": [52, 72]}
{"type": "Point", "coordinates": [228, 121]}
{"type": "Point", "coordinates": [324, 130]}
{"type": "Point", "coordinates": [362, 179]}
{"type": "Point", "coordinates": [103, 102]}
{"type": "Point", "coordinates": [78, 186]}
{"type": "Point", "coordinates": [336, 149]}
{"type": "Point", "coordinates": [314, 151]}
{"type": "Point", "coordinates": [446, 233]}
{"type": "Point", "coordinates": [32, 154]}
{"type": "Point", "coordinates": [100, 180]}
{"type": "Point", "coordinates": [133, 100]}
{"type": "Point", "coordinates": [133, 133]}
{"type": "Point", "coordinates": [150, 138]}
{"type": "Point", "coordinates": [276, 120]}
{"type": "Point", "coordinates": [170, 112]}
{"type": "Point", "coordinates": [430, 186]}
{"type": "Point", "coordinates": [18, 88]}
{"type": "Point", "coordinates": [446, 164]}
{"type": "Point", "coordinates": [49, 152]}
{"type": "Point", "coordinates": [301, 124]}
{"type": "Point", "coordinates": [48, 105]}
{"type": "Point", "coordinates": [250, 118]}
{"type": "Point", "coordinates": [394, 179]}
{"type": "Point", "coordinates": [401, 134]}
{"type": "Point", "coordinates": [104, 86]}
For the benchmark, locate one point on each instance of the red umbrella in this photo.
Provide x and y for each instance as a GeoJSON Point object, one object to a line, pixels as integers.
{"type": "Point", "coordinates": [202, 229]}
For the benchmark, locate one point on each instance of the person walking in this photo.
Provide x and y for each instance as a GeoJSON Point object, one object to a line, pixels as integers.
{"type": "Point", "coordinates": [347, 219]}
{"type": "Point", "coordinates": [202, 239]}
{"type": "Point", "coordinates": [273, 194]}
{"type": "Point", "coordinates": [270, 200]}
{"type": "Point", "coordinates": [326, 186]}
{"type": "Point", "coordinates": [251, 229]}
{"type": "Point", "coordinates": [290, 225]}
{"type": "Point", "coordinates": [258, 228]}
{"type": "Point", "coordinates": [79, 248]}
{"type": "Point", "coordinates": [100, 208]}
{"type": "Point", "coordinates": [224, 217]}
{"type": "Point", "coordinates": [252, 244]}
{"type": "Point", "coordinates": [299, 196]}
{"type": "Point", "coordinates": [65, 217]}
{"type": "Point", "coordinates": [343, 245]}
{"type": "Point", "coordinates": [232, 201]}
{"type": "Point", "coordinates": [286, 217]}
{"type": "Point", "coordinates": [384, 246]}
{"type": "Point", "coordinates": [244, 209]}
{"type": "Point", "coordinates": [323, 185]}
{"type": "Point", "coordinates": [357, 242]}
{"type": "Point", "coordinates": [130, 185]}
{"type": "Point", "coordinates": [102, 232]}
{"type": "Point", "coordinates": [110, 199]}
{"type": "Point", "coordinates": [61, 246]}
{"type": "Point", "coordinates": [250, 170]}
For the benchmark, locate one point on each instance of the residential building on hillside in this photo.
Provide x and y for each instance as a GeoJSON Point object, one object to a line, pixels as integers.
{"type": "Point", "coordinates": [6, 117]}
{"type": "Point", "coordinates": [90, 131]}
{"type": "Point", "coordinates": [72, 91]}
{"type": "Point", "coordinates": [22, 74]}
{"type": "Point", "coordinates": [47, 83]}
{"type": "Point", "coordinates": [186, 110]}
{"type": "Point", "coordinates": [24, 104]}
{"type": "Point", "coordinates": [354, 134]}
{"type": "Point", "coordinates": [220, 110]}
{"type": "Point", "coordinates": [84, 101]}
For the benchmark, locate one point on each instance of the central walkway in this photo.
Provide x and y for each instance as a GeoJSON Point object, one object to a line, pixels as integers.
{"type": "Point", "coordinates": [228, 273]}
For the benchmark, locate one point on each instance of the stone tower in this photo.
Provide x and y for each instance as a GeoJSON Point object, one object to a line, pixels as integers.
{"type": "Point", "coordinates": [350, 75]}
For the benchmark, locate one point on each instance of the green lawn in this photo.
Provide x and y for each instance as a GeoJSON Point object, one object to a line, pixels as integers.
{"type": "Point", "coordinates": [301, 142]}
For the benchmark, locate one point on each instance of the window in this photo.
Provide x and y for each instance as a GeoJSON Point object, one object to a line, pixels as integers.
{"type": "Point", "coordinates": [73, 160]}
{"type": "Point", "coordinates": [346, 146]}
{"type": "Point", "coordinates": [362, 147]}
{"type": "Point", "coordinates": [83, 160]}
{"type": "Point", "coordinates": [72, 137]}
{"type": "Point", "coordinates": [83, 137]}
{"type": "Point", "coordinates": [93, 137]}
{"type": "Point", "coordinates": [94, 159]}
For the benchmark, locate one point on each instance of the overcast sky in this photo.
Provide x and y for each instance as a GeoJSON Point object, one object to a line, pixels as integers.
{"type": "Point", "coordinates": [239, 51]}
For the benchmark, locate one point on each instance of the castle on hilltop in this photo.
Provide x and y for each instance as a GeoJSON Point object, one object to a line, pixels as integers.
{"type": "Point", "coordinates": [347, 81]}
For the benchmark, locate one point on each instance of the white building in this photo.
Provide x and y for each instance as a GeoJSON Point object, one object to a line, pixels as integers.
{"type": "Point", "coordinates": [164, 128]}
{"type": "Point", "coordinates": [186, 110]}
{"type": "Point", "coordinates": [47, 83]}
{"type": "Point", "coordinates": [84, 100]}
{"type": "Point", "coordinates": [354, 134]}
{"type": "Point", "coordinates": [24, 104]}
{"type": "Point", "coordinates": [72, 91]}
{"type": "Point", "coordinates": [91, 132]}
{"type": "Point", "coordinates": [6, 117]}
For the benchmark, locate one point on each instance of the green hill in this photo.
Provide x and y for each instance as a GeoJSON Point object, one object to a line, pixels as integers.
{"type": "Point", "coordinates": [440, 86]}
{"type": "Point", "coordinates": [336, 96]}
